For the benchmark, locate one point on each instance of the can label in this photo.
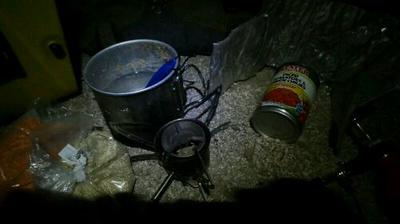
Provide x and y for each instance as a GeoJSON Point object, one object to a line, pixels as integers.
{"type": "Point", "coordinates": [293, 90]}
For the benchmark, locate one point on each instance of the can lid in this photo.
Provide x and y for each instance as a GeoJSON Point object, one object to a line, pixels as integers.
{"type": "Point", "coordinates": [276, 122]}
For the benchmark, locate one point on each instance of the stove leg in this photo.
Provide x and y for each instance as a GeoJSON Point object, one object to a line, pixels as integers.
{"type": "Point", "coordinates": [202, 191]}
{"type": "Point", "coordinates": [163, 187]}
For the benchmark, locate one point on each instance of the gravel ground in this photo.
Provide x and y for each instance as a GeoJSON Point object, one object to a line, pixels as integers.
{"type": "Point", "coordinates": [240, 158]}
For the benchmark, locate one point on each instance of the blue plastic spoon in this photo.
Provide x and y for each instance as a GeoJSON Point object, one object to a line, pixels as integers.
{"type": "Point", "coordinates": [162, 72]}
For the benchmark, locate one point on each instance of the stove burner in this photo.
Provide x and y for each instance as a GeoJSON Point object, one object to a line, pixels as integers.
{"type": "Point", "coordinates": [184, 153]}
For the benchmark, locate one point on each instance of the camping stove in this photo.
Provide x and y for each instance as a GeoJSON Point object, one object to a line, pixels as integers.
{"type": "Point", "coordinates": [184, 153]}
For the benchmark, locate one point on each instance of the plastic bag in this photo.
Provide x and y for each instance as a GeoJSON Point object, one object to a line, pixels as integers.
{"type": "Point", "coordinates": [60, 129]}
{"type": "Point", "coordinates": [55, 163]}
{"type": "Point", "coordinates": [15, 147]}
{"type": "Point", "coordinates": [337, 40]}
{"type": "Point", "coordinates": [108, 170]}
{"type": "Point", "coordinates": [56, 149]}
{"type": "Point", "coordinates": [49, 173]}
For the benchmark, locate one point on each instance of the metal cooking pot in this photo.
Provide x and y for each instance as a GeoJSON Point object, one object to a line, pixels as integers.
{"type": "Point", "coordinates": [118, 76]}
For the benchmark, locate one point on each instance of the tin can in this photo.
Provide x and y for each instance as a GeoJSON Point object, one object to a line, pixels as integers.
{"type": "Point", "coordinates": [286, 103]}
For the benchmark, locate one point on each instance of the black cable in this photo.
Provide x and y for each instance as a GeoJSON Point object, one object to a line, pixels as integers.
{"type": "Point", "coordinates": [191, 82]}
{"type": "Point", "coordinates": [202, 113]}
{"type": "Point", "coordinates": [199, 74]}
{"type": "Point", "coordinates": [145, 157]}
{"type": "Point", "coordinates": [220, 128]}
{"type": "Point", "coordinates": [185, 61]}
{"type": "Point", "coordinates": [205, 95]}
{"type": "Point", "coordinates": [197, 103]}
{"type": "Point", "coordinates": [196, 89]}
{"type": "Point", "coordinates": [212, 108]}
{"type": "Point", "coordinates": [214, 105]}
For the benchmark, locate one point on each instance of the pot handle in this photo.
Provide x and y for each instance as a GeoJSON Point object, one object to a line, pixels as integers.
{"type": "Point", "coordinates": [180, 92]}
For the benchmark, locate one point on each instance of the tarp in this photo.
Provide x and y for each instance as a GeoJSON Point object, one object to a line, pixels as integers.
{"type": "Point", "coordinates": [335, 39]}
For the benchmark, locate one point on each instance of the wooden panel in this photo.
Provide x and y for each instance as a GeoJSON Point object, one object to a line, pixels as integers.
{"type": "Point", "coordinates": [30, 26]}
